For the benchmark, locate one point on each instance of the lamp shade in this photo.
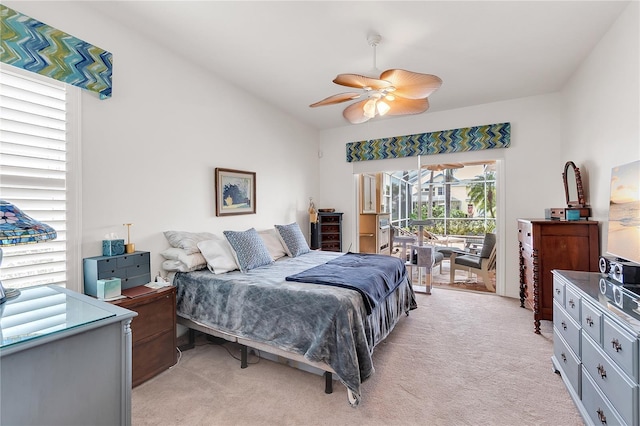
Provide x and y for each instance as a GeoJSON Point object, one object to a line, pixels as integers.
{"type": "Point", "coordinates": [17, 228]}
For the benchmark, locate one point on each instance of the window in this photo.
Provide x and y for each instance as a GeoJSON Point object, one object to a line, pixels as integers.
{"type": "Point", "coordinates": [39, 159]}
{"type": "Point", "coordinates": [460, 201]}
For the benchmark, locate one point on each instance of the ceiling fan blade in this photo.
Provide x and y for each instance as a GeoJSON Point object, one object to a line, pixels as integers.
{"type": "Point", "coordinates": [354, 113]}
{"type": "Point", "coordinates": [360, 81]}
{"type": "Point", "coordinates": [402, 106]}
{"type": "Point", "coordinates": [412, 85]}
{"type": "Point", "coordinates": [336, 99]}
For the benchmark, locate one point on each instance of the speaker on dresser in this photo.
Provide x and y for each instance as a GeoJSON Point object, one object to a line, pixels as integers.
{"type": "Point", "coordinates": [619, 270]}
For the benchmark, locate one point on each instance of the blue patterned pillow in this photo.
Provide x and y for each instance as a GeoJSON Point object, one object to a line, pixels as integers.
{"type": "Point", "coordinates": [293, 239]}
{"type": "Point", "coordinates": [249, 248]}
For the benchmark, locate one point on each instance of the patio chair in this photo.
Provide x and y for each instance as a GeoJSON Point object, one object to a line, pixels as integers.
{"type": "Point", "coordinates": [424, 259]}
{"type": "Point", "coordinates": [479, 264]}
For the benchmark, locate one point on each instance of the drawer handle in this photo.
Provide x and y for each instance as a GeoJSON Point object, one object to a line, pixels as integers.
{"type": "Point", "coordinates": [590, 321]}
{"type": "Point", "coordinates": [528, 234]}
{"type": "Point", "coordinates": [602, 371]}
{"type": "Point", "coordinates": [601, 416]}
{"type": "Point", "coordinates": [563, 356]}
{"type": "Point", "coordinates": [572, 303]}
{"type": "Point", "coordinates": [558, 291]}
{"type": "Point", "coordinates": [564, 325]}
{"type": "Point", "coordinates": [616, 345]}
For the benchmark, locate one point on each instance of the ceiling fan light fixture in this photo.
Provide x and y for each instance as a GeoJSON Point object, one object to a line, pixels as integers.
{"type": "Point", "coordinates": [405, 92]}
{"type": "Point", "coordinates": [382, 107]}
{"type": "Point", "coordinates": [369, 108]}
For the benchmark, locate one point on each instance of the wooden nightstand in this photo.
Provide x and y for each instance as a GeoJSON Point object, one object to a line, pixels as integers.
{"type": "Point", "coordinates": [154, 332]}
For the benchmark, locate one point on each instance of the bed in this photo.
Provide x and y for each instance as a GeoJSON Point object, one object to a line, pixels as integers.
{"type": "Point", "coordinates": [331, 328]}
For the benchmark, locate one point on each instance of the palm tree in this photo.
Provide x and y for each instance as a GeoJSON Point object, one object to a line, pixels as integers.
{"type": "Point", "coordinates": [484, 195]}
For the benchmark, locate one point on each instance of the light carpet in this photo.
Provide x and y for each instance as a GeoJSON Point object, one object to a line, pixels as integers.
{"type": "Point", "coordinates": [463, 279]}
{"type": "Point", "coordinates": [461, 358]}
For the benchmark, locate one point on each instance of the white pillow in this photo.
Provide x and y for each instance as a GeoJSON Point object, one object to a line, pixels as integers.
{"type": "Point", "coordinates": [219, 255]}
{"type": "Point", "coordinates": [174, 265]}
{"type": "Point", "coordinates": [189, 260]}
{"type": "Point", "coordinates": [273, 243]}
{"type": "Point", "coordinates": [187, 240]}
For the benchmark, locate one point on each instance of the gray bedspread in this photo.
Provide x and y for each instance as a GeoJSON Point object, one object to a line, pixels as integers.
{"type": "Point", "coordinates": [324, 324]}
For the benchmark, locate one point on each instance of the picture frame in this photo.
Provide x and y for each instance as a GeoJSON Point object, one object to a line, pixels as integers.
{"type": "Point", "coordinates": [235, 192]}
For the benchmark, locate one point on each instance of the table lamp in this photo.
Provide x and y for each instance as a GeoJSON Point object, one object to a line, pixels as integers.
{"type": "Point", "coordinates": [16, 228]}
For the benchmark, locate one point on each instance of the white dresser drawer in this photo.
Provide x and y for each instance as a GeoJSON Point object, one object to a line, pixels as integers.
{"type": "Point", "coordinates": [621, 347]}
{"type": "Point", "coordinates": [572, 303]}
{"type": "Point", "coordinates": [596, 405]}
{"type": "Point", "coordinates": [621, 391]}
{"type": "Point", "coordinates": [567, 362]}
{"type": "Point", "coordinates": [567, 328]}
{"type": "Point", "coordinates": [591, 321]}
{"type": "Point", "coordinates": [558, 291]}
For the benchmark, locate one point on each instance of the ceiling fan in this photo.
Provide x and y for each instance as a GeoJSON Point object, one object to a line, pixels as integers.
{"type": "Point", "coordinates": [396, 92]}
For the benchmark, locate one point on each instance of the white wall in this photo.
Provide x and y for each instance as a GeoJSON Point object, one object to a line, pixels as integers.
{"type": "Point", "coordinates": [602, 112]}
{"type": "Point", "coordinates": [594, 122]}
{"type": "Point", "coordinates": [149, 152]}
{"type": "Point", "coordinates": [532, 164]}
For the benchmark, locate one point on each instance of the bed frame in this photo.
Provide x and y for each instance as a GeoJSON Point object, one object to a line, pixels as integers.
{"type": "Point", "coordinates": [245, 344]}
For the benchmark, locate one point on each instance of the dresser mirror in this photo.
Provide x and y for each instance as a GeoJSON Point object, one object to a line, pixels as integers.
{"type": "Point", "coordinates": [573, 189]}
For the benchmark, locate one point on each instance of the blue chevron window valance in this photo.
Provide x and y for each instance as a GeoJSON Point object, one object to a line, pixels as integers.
{"type": "Point", "coordinates": [37, 47]}
{"type": "Point", "coordinates": [442, 142]}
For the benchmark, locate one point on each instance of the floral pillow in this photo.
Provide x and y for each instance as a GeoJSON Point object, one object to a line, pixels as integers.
{"type": "Point", "coordinates": [250, 250]}
{"type": "Point", "coordinates": [293, 239]}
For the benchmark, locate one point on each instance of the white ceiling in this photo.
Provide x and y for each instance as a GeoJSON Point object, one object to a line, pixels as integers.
{"type": "Point", "coordinates": [287, 53]}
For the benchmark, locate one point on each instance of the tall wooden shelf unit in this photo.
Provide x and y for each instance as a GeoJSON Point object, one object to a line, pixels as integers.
{"type": "Point", "coordinates": [327, 233]}
{"type": "Point", "coordinates": [545, 245]}
{"type": "Point", "coordinates": [373, 222]}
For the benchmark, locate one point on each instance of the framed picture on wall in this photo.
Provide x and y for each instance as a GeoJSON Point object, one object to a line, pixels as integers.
{"type": "Point", "coordinates": [235, 192]}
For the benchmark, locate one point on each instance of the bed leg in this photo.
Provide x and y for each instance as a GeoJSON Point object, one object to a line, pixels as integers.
{"type": "Point", "coordinates": [243, 356]}
{"type": "Point", "coordinates": [192, 341]}
{"type": "Point", "coordinates": [328, 382]}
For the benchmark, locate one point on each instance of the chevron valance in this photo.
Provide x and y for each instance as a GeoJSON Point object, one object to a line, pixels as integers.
{"type": "Point", "coordinates": [37, 47]}
{"type": "Point", "coordinates": [442, 142]}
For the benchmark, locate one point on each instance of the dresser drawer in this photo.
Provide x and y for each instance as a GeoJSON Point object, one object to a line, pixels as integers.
{"type": "Point", "coordinates": [558, 291]}
{"type": "Point", "coordinates": [132, 259]}
{"type": "Point", "coordinates": [591, 321]}
{"type": "Point", "coordinates": [154, 317]}
{"type": "Point", "coordinates": [596, 405]}
{"type": "Point", "coordinates": [620, 390]}
{"type": "Point", "coordinates": [153, 356]}
{"type": "Point", "coordinates": [525, 234]}
{"type": "Point", "coordinates": [567, 362]}
{"type": "Point", "coordinates": [566, 327]}
{"type": "Point", "coordinates": [621, 347]}
{"type": "Point", "coordinates": [572, 303]}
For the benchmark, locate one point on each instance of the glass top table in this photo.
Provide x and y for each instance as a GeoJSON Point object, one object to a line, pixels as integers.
{"type": "Point", "coordinates": [40, 311]}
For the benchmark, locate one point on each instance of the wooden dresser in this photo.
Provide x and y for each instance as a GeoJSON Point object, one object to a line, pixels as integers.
{"type": "Point", "coordinates": [545, 245]}
{"type": "Point", "coordinates": [154, 332]}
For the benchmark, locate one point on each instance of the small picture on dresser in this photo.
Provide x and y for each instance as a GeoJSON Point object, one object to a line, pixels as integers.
{"type": "Point", "coordinates": [235, 192]}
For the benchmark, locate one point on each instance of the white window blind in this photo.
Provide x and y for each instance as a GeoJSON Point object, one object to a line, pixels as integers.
{"type": "Point", "coordinates": [34, 133]}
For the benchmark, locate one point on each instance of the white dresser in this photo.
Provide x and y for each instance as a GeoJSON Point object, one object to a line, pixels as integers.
{"type": "Point", "coordinates": [596, 329]}
{"type": "Point", "coordinates": [65, 359]}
